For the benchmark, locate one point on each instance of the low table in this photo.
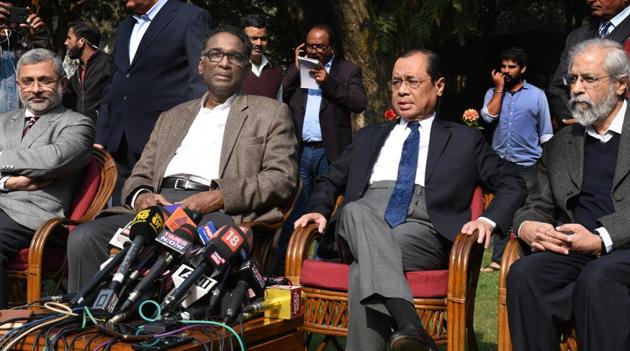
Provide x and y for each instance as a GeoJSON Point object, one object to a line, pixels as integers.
{"type": "Point", "coordinates": [261, 334]}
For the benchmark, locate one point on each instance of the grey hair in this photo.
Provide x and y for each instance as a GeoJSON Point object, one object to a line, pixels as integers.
{"type": "Point", "coordinates": [41, 55]}
{"type": "Point", "coordinates": [616, 61]}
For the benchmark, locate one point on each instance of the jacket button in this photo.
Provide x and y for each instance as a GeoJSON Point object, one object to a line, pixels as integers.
{"type": "Point", "coordinates": [127, 75]}
{"type": "Point", "coordinates": [125, 98]}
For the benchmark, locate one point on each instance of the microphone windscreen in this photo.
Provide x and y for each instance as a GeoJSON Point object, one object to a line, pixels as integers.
{"type": "Point", "coordinates": [148, 222]}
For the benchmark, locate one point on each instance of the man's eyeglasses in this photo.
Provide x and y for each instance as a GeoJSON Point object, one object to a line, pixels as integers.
{"type": "Point", "coordinates": [47, 82]}
{"type": "Point", "coordinates": [587, 80]}
{"type": "Point", "coordinates": [413, 83]}
{"type": "Point", "coordinates": [215, 56]}
{"type": "Point", "coordinates": [315, 47]}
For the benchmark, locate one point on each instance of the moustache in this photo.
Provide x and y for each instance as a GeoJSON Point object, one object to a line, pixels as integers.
{"type": "Point", "coordinates": [580, 100]}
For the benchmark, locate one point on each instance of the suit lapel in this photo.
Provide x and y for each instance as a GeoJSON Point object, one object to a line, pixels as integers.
{"type": "Point", "coordinates": [122, 42]}
{"type": "Point", "coordinates": [235, 121]}
{"type": "Point", "coordinates": [623, 162]}
{"type": "Point", "coordinates": [574, 156]}
{"type": "Point", "coordinates": [621, 32]}
{"type": "Point", "coordinates": [41, 126]}
{"type": "Point", "coordinates": [157, 25]}
{"type": "Point", "coordinates": [440, 135]}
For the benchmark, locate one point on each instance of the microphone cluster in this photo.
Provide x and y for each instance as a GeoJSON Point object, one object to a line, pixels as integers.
{"type": "Point", "coordinates": [193, 271]}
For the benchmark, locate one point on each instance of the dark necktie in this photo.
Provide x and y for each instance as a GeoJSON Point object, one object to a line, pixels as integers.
{"type": "Point", "coordinates": [396, 211]}
{"type": "Point", "coordinates": [29, 123]}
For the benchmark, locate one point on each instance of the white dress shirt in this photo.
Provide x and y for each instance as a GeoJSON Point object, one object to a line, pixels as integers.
{"type": "Point", "coordinates": [386, 166]}
{"type": "Point", "coordinates": [141, 26]}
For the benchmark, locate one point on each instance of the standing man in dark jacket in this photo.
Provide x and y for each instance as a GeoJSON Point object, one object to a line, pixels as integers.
{"type": "Point", "coordinates": [89, 80]}
{"type": "Point", "coordinates": [610, 21]}
{"type": "Point", "coordinates": [322, 116]}
{"type": "Point", "coordinates": [154, 67]}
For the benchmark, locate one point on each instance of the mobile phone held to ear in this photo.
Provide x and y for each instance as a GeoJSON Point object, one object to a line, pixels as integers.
{"type": "Point", "coordinates": [166, 343]}
{"type": "Point", "coordinates": [17, 14]}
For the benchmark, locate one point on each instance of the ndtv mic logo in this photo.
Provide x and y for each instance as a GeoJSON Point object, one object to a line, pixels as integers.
{"type": "Point", "coordinates": [232, 239]}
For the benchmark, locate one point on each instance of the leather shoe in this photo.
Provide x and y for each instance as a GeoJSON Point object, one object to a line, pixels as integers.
{"type": "Point", "coordinates": [404, 340]}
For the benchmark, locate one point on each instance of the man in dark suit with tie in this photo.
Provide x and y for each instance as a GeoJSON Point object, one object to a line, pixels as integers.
{"type": "Point", "coordinates": [154, 67]}
{"type": "Point", "coordinates": [578, 221]}
{"type": "Point", "coordinates": [611, 21]}
{"type": "Point", "coordinates": [407, 187]}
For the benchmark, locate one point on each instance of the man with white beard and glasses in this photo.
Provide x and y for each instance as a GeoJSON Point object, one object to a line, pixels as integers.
{"type": "Point", "coordinates": [578, 223]}
{"type": "Point", "coordinates": [43, 149]}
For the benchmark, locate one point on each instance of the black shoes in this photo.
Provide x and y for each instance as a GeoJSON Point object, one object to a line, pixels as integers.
{"type": "Point", "coordinates": [404, 340]}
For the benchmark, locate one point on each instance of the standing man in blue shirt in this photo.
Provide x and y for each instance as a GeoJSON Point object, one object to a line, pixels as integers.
{"type": "Point", "coordinates": [524, 124]}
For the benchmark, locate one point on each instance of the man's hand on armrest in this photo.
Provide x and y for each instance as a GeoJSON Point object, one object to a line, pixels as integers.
{"type": "Point", "coordinates": [204, 202]}
{"type": "Point", "coordinates": [25, 183]}
{"type": "Point", "coordinates": [484, 227]}
{"type": "Point", "coordinates": [312, 217]}
{"type": "Point", "coordinates": [147, 199]}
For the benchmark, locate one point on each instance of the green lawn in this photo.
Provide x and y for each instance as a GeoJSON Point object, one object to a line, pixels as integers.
{"type": "Point", "coordinates": [485, 311]}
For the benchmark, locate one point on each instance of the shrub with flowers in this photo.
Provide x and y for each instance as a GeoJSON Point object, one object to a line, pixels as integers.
{"type": "Point", "coordinates": [471, 118]}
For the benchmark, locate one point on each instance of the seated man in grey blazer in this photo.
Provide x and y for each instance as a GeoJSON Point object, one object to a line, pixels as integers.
{"type": "Point", "coordinates": [578, 223]}
{"type": "Point", "coordinates": [42, 151]}
{"type": "Point", "coordinates": [230, 156]}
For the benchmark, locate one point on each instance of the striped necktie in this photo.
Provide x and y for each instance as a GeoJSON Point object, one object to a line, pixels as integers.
{"type": "Point", "coordinates": [30, 121]}
{"type": "Point", "coordinates": [604, 27]}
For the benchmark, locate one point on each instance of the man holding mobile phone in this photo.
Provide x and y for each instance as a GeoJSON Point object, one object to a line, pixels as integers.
{"type": "Point", "coordinates": [14, 29]}
{"type": "Point", "coordinates": [321, 116]}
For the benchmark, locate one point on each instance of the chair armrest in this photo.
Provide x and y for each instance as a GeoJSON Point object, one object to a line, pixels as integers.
{"type": "Point", "coordinates": [41, 236]}
{"type": "Point", "coordinates": [464, 265]}
{"type": "Point", "coordinates": [299, 249]}
{"type": "Point", "coordinates": [511, 253]}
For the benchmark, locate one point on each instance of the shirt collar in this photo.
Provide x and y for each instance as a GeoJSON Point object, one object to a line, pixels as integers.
{"type": "Point", "coordinates": [152, 11]}
{"type": "Point", "coordinates": [425, 123]}
{"type": "Point", "coordinates": [615, 127]}
{"type": "Point", "coordinates": [329, 63]}
{"type": "Point", "coordinates": [616, 21]}
{"type": "Point", "coordinates": [28, 113]}
{"type": "Point", "coordinates": [224, 106]}
{"type": "Point", "coordinates": [263, 63]}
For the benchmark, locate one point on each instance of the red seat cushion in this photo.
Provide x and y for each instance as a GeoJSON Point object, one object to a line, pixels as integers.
{"type": "Point", "coordinates": [52, 261]}
{"type": "Point", "coordinates": [334, 276]}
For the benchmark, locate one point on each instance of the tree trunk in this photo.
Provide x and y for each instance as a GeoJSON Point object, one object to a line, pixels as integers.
{"type": "Point", "coordinates": [356, 20]}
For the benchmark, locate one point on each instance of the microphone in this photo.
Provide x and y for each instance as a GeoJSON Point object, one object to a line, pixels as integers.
{"type": "Point", "coordinates": [146, 224]}
{"type": "Point", "coordinates": [250, 273]}
{"type": "Point", "coordinates": [99, 278]}
{"type": "Point", "coordinates": [217, 253]}
{"type": "Point", "coordinates": [176, 243]}
{"type": "Point", "coordinates": [239, 295]}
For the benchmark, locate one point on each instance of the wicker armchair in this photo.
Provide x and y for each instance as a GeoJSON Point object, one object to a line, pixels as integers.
{"type": "Point", "coordinates": [38, 262]}
{"type": "Point", "coordinates": [510, 255]}
{"type": "Point", "coordinates": [439, 296]}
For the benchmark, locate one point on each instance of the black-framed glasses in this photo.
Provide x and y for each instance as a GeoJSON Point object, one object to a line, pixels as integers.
{"type": "Point", "coordinates": [234, 58]}
{"type": "Point", "coordinates": [587, 80]}
{"type": "Point", "coordinates": [315, 47]}
{"type": "Point", "coordinates": [413, 83]}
